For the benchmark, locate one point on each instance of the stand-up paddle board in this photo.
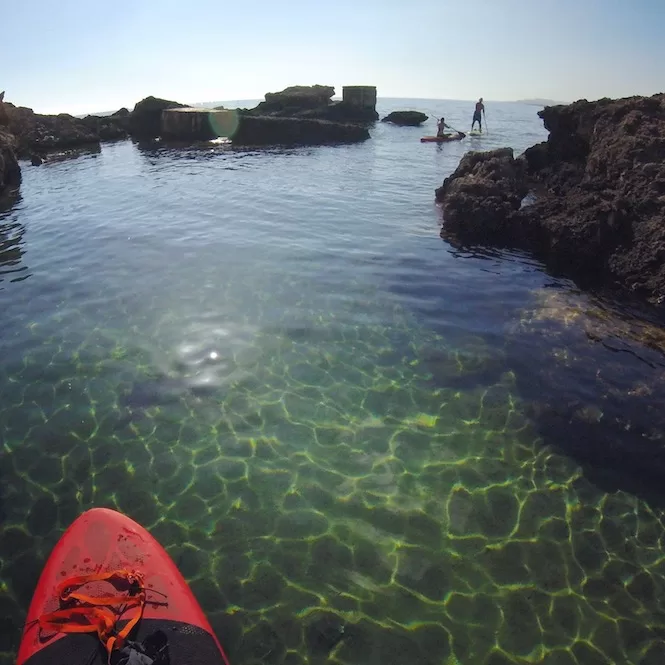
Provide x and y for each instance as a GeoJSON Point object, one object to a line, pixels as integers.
{"type": "Point", "coordinates": [442, 139]}
{"type": "Point", "coordinates": [109, 593]}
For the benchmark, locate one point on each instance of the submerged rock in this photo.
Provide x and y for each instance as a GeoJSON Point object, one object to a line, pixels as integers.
{"type": "Point", "coordinates": [324, 632]}
{"type": "Point", "coordinates": [93, 149]}
{"type": "Point", "coordinates": [598, 212]}
{"type": "Point", "coordinates": [597, 394]}
{"type": "Point", "coordinates": [265, 130]}
{"type": "Point", "coordinates": [406, 118]}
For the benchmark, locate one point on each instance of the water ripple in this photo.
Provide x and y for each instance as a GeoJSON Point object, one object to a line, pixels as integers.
{"type": "Point", "coordinates": [327, 414]}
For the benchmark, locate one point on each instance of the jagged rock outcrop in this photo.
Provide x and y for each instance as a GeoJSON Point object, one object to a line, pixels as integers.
{"type": "Point", "coordinates": [36, 133]}
{"type": "Point", "coordinates": [113, 127]}
{"type": "Point", "coordinates": [597, 185]}
{"type": "Point", "coordinates": [10, 171]}
{"type": "Point", "coordinates": [294, 100]}
{"type": "Point", "coordinates": [145, 121]}
{"type": "Point", "coordinates": [267, 130]}
{"type": "Point", "coordinates": [4, 116]}
{"type": "Point", "coordinates": [310, 102]}
{"type": "Point", "coordinates": [406, 118]}
{"type": "Point", "coordinates": [482, 194]}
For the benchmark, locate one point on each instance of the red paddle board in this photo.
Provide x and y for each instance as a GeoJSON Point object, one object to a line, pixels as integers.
{"type": "Point", "coordinates": [103, 541]}
{"type": "Point", "coordinates": [441, 139]}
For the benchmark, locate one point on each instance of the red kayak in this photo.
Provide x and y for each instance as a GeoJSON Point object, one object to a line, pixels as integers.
{"type": "Point", "coordinates": [442, 139]}
{"type": "Point", "coordinates": [109, 593]}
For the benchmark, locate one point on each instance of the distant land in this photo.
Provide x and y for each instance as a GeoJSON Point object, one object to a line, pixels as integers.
{"type": "Point", "coordinates": [536, 101]}
{"type": "Point", "coordinates": [540, 102]}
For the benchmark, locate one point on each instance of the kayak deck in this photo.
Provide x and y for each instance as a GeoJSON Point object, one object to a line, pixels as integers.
{"type": "Point", "coordinates": [100, 545]}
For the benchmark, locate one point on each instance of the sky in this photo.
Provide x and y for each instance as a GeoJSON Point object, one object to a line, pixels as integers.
{"type": "Point", "coordinates": [78, 56]}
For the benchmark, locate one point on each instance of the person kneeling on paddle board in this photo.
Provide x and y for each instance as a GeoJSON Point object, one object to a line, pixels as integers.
{"type": "Point", "coordinates": [477, 118]}
{"type": "Point", "coordinates": [441, 127]}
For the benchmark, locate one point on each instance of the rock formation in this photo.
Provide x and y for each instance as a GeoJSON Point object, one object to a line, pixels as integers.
{"type": "Point", "coordinates": [312, 102]}
{"type": "Point", "coordinates": [406, 118]}
{"type": "Point", "coordinates": [198, 124]}
{"type": "Point", "coordinates": [300, 115]}
{"type": "Point", "coordinates": [482, 194]}
{"type": "Point", "coordinates": [40, 134]}
{"type": "Point", "coordinates": [295, 100]}
{"type": "Point", "coordinates": [10, 172]}
{"type": "Point", "coordinates": [109, 127]}
{"type": "Point", "coordinates": [145, 121]}
{"type": "Point", "coordinates": [267, 130]}
{"type": "Point", "coordinates": [595, 208]}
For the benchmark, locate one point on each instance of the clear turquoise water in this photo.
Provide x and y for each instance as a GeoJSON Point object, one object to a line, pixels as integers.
{"type": "Point", "coordinates": [273, 361]}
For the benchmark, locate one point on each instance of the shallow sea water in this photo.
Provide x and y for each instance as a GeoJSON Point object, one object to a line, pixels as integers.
{"type": "Point", "coordinates": [272, 361]}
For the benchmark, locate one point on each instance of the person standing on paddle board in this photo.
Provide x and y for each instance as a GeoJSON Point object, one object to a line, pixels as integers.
{"type": "Point", "coordinates": [477, 117]}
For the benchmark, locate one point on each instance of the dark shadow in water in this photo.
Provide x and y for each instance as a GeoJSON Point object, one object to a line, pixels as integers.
{"type": "Point", "coordinates": [589, 367]}
{"type": "Point", "coordinates": [12, 243]}
{"type": "Point", "coordinates": [595, 390]}
{"type": "Point", "coordinates": [155, 149]}
{"type": "Point", "coordinates": [598, 285]}
{"type": "Point", "coordinates": [55, 156]}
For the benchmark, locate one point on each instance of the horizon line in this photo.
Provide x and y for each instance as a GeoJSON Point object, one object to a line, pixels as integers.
{"type": "Point", "coordinates": [534, 101]}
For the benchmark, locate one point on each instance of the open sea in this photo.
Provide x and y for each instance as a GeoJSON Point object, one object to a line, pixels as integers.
{"type": "Point", "coordinates": [324, 411]}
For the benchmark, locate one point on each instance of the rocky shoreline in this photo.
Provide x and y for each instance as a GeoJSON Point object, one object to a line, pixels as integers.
{"type": "Point", "coordinates": [589, 201]}
{"type": "Point", "coordinates": [299, 115]}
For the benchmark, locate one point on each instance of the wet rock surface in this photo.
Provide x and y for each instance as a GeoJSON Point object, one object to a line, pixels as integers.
{"type": "Point", "coordinates": [406, 118]}
{"type": "Point", "coordinates": [598, 195]}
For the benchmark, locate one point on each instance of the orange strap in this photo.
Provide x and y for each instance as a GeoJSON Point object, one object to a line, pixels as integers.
{"type": "Point", "coordinates": [94, 614]}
